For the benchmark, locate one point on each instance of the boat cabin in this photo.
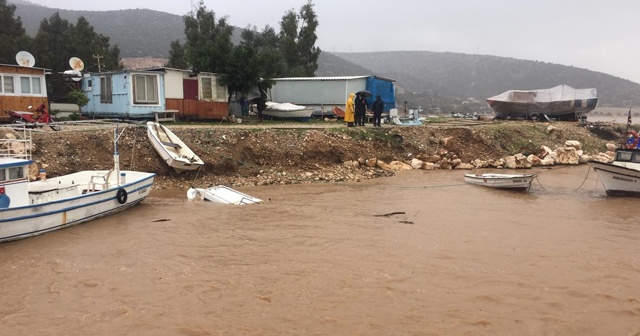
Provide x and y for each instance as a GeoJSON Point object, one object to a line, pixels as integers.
{"type": "Point", "coordinates": [626, 157]}
{"type": "Point", "coordinates": [14, 183]}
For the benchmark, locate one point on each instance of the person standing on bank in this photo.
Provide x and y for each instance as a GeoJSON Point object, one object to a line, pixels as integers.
{"type": "Point", "coordinates": [378, 107]}
{"type": "Point", "coordinates": [361, 109]}
{"type": "Point", "coordinates": [261, 105]}
{"type": "Point", "coordinates": [349, 110]}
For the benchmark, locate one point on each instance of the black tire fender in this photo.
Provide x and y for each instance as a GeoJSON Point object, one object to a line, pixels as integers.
{"type": "Point", "coordinates": [121, 196]}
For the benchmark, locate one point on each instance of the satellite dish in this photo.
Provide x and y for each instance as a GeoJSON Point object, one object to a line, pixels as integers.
{"type": "Point", "coordinates": [75, 75]}
{"type": "Point", "coordinates": [25, 59]}
{"type": "Point", "coordinates": [76, 64]}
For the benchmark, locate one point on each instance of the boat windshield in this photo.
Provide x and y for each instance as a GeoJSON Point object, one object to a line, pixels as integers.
{"type": "Point", "coordinates": [628, 156]}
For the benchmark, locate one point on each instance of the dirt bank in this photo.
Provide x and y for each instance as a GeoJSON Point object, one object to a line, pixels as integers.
{"type": "Point", "coordinates": [286, 154]}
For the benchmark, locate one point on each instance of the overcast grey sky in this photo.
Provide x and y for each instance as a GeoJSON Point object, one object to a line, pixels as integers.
{"type": "Point", "coordinates": [596, 35]}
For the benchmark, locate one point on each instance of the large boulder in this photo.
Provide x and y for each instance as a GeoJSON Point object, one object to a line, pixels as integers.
{"type": "Point", "coordinates": [567, 156]}
{"type": "Point", "coordinates": [573, 143]}
{"type": "Point", "coordinates": [416, 164]}
{"type": "Point", "coordinates": [399, 166]}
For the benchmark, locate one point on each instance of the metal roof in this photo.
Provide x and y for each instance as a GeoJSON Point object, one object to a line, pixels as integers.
{"type": "Point", "coordinates": [332, 78]}
{"type": "Point", "coordinates": [20, 66]}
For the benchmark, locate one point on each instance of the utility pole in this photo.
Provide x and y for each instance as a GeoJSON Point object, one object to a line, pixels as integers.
{"type": "Point", "coordinates": [98, 57]}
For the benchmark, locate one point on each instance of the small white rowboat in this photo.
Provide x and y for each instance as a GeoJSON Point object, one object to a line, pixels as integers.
{"type": "Point", "coordinates": [502, 181]}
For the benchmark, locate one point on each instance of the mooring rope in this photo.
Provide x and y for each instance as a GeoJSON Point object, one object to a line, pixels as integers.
{"type": "Point", "coordinates": [585, 179]}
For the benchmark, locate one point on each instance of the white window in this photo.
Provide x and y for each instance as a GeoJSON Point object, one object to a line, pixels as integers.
{"type": "Point", "coordinates": [221, 92]}
{"type": "Point", "coordinates": [16, 173]}
{"type": "Point", "coordinates": [6, 84]}
{"type": "Point", "coordinates": [25, 85]}
{"type": "Point", "coordinates": [30, 85]}
{"type": "Point", "coordinates": [106, 95]}
{"type": "Point", "coordinates": [211, 90]}
{"type": "Point", "coordinates": [207, 91]}
{"type": "Point", "coordinates": [36, 87]}
{"type": "Point", "coordinates": [145, 89]}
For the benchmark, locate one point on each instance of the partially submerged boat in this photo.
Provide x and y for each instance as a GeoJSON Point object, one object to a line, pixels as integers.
{"type": "Point", "coordinates": [501, 181]}
{"type": "Point", "coordinates": [287, 111]}
{"type": "Point", "coordinates": [622, 176]}
{"type": "Point", "coordinates": [559, 101]}
{"type": "Point", "coordinates": [171, 149]}
{"type": "Point", "coordinates": [221, 194]}
{"type": "Point", "coordinates": [29, 208]}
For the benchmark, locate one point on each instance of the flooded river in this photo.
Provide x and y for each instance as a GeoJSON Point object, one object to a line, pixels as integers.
{"type": "Point", "coordinates": [417, 254]}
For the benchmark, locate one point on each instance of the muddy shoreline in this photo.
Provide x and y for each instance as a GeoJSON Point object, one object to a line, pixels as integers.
{"type": "Point", "coordinates": [253, 155]}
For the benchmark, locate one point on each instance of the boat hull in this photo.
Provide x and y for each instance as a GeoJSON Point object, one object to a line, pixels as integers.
{"type": "Point", "coordinates": [172, 151]}
{"type": "Point", "coordinates": [617, 180]}
{"type": "Point", "coordinates": [296, 114]}
{"type": "Point", "coordinates": [561, 102]}
{"type": "Point", "coordinates": [222, 194]}
{"type": "Point", "coordinates": [31, 220]}
{"type": "Point", "coordinates": [501, 181]}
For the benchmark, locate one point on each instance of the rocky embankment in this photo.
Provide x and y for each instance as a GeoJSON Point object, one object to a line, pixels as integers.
{"type": "Point", "coordinates": [266, 155]}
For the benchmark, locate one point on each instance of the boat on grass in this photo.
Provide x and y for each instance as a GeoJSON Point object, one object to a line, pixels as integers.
{"type": "Point", "coordinates": [560, 101]}
{"type": "Point", "coordinates": [221, 194]}
{"type": "Point", "coordinates": [501, 181]}
{"type": "Point", "coordinates": [622, 176]}
{"type": "Point", "coordinates": [287, 111]}
{"type": "Point", "coordinates": [29, 208]}
{"type": "Point", "coordinates": [171, 149]}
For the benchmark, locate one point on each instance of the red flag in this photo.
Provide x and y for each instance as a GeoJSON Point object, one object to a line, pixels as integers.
{"type": "Point", "coordinates": [629, 118]}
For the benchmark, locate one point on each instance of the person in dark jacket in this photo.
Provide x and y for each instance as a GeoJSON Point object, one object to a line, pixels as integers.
{"type": "Point", "coordinates": [261, 105]}
{"type": "Point", "coordinates": [378, 107]}
{"type": "Point", "coordinates": [361, 108]}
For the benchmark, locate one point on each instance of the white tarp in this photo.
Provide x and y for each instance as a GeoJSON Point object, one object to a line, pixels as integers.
{"type": "Point", "coordinates": [558, 93]}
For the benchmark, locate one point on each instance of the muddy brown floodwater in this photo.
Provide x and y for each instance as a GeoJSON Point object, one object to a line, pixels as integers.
{"type": "Point", "coordinates": [332, 259]}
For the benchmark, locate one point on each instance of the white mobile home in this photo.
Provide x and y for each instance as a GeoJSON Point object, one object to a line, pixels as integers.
{"type": "Point", "coordinates": [324, 93]}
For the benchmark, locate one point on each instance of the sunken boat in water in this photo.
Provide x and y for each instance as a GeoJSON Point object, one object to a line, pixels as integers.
{"type": "Point", "coordinates": [560, 102]}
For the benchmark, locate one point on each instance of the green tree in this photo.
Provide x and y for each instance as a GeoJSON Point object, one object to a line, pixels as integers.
{"type": "Point", "coordinates": [86, 43]}
{"type": "Point", "coordinates": [297, 41]}
{"type": "Point", "coordinates": [58, 40]}
{"type": "Point", "coordinates": [13, 37]}
{"type": "Point", "coordinates": [176, 56]}
{"type": "Point", "coordinates": [266, 47]}
{"type": "Point", "coordinates": [208, 46]}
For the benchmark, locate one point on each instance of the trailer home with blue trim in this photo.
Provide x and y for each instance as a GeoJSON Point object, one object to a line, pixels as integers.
{"type": "Point", "coordinates": [127, 94]}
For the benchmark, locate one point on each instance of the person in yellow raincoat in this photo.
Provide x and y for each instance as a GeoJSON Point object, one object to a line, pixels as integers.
{"type": "Point", "coordinates": [349, 111]}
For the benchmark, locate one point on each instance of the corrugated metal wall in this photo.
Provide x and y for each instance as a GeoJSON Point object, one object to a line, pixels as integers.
{"type": "Point", "coordinates": [315, 91]}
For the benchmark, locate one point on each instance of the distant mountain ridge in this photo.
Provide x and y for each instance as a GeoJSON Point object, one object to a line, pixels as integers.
{"type": "Point", "coordinates": [137, 32]}
{"type": "Point", "coordinates": [144, 33]}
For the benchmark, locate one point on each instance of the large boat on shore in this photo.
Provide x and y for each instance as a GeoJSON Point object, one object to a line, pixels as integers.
{"type": "Point", "coordinates": [561, 101]}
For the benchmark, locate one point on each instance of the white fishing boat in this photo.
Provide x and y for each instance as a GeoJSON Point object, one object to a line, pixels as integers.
{"type": "Point", "coordinates": [221, 194]}
{"type": "Point", "coordinates": [171, 149]}
{"type": "Point", "coordinates": [501, 181]}
{"type": "Point", "coordinates": [29, 208]}
{"type": "Point", "coordinates": [622, 176]}
{"type": "Point", "coordinates": [287, 111]}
